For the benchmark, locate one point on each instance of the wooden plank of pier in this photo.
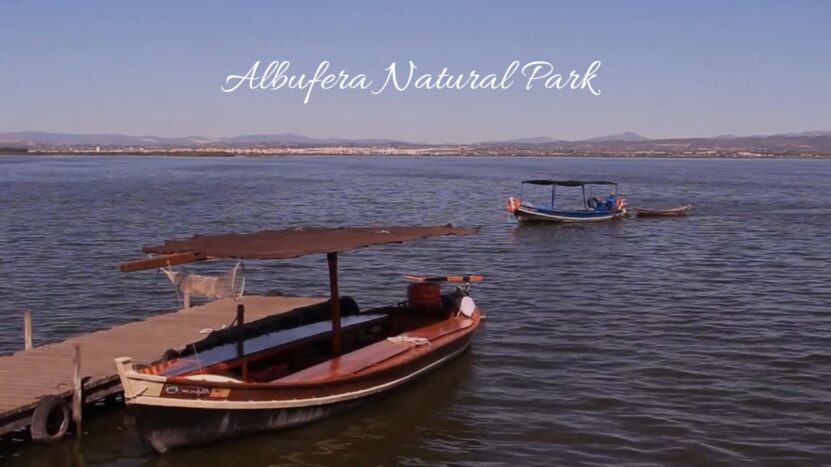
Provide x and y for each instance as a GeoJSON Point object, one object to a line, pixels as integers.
{"type": "Point", "coordinates": [29, 375]}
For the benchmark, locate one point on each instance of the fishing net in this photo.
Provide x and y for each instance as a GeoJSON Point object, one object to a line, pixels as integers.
{"type": "Point", "coordinates": [187, 284]}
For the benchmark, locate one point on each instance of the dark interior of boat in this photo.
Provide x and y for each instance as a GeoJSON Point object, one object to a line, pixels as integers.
{"type": "Point", "coordinates": [281, 345]}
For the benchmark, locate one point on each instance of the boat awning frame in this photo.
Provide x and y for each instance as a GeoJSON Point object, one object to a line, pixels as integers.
{"type": "Point", "coordinates": [571, 183]}
{"type": "Point", "coordinates": [289, 243]}
{"type": "Point", "coordinates": [284, 244]}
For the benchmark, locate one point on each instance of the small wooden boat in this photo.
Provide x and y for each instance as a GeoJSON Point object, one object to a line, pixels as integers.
{"type": "Point", "coordinates": [669, 212]}
{"type": "Point", "coordinates": [303, 365]}
{"type": "Point", "coordinates": [593, 209]}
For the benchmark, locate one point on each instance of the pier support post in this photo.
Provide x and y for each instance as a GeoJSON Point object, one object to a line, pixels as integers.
{"type": "Point", "coordinates": [27, 329]}
{"type": "Point", "coordinates": [77, 391]}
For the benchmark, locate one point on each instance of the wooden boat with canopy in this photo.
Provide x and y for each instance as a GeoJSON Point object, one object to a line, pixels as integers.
{"type": "Point", "coordinates": [299, 366]}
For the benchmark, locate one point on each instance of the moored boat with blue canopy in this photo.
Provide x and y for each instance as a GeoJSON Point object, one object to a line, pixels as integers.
{"type": "Point", "coordinates": [593, 208]}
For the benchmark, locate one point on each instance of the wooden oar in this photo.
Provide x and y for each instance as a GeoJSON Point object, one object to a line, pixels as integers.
{"type": "Point", "coordinates": [470, 278]}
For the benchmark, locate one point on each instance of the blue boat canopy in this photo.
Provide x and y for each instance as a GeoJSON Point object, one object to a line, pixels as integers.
{"type": "Point", "coordinates": [568, 182]}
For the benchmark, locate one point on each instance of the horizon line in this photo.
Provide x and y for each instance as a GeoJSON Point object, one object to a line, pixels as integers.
{"type": "Point", "coordinates": [336, 139]}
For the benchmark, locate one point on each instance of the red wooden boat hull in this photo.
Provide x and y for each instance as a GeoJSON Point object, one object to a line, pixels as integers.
{"type": "Point", "coordinates": [179, 411]}
{"type": "Point", "coordinates": [166, 428]}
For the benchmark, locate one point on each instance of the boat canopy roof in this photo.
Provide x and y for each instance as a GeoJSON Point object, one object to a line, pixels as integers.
{"type": "Point", "coordinates": [568, 182]}
{"type": "Point", "coordinates": [287, 243]}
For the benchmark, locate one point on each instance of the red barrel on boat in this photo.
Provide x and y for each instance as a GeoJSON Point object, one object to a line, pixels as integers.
{"type": "Point", "coordinates": [424, 295]}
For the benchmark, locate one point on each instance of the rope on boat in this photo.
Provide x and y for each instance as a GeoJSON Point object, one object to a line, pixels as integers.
{"type": "Point", "coordinates": [404, 339]}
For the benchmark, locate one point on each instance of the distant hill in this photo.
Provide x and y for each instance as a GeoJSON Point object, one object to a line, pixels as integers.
{"type": "Point", "coordinates": [67, 139]}
{"type": "Point", "coordinates": [626, 136]}
{"type": "Point", "coordinates": [294, 138]}
{"type": "Point", "coordinates": [278, 138]}
{"type": "Point", "coordinates": [45, 138]}
{"type": "Point", "coordinates": [809, 134]}
{"type": "Point", "coordinates": [533, 140]}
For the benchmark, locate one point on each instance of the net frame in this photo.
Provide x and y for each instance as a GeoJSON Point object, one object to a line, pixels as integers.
{"type": "Point", "coordinates": [188, 284]}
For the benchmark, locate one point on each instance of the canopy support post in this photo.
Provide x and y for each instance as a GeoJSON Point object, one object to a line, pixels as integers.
{"type": "Point", "coordinates": [241, 340]}
{"type": "Point", "coordinates": [77, 389]}
{"type": "Point", "coordinates": [332, 259]}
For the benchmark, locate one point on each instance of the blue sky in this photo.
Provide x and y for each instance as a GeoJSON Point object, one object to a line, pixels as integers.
{"type": "Point", "coordinates": [669, 69]}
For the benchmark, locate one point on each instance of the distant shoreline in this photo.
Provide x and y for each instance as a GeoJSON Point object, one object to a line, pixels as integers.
{"type": "Point", "coordinates": [805, 145]}
{"type": "Point", "coordinates": [523, 154]}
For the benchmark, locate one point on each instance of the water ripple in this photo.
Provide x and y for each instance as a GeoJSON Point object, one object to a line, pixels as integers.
{"type": "Point", "coordinates": [694, 341]}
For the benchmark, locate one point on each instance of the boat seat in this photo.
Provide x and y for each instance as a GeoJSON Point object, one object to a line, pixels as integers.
{"type": "Point", "coordinates": [347, 364]}
{"type": "Point", "coordinates": [441, 329]}
{"type": "Point", "coordinates": [229, 352]}
{"type": "Point", "coordinates": [373, 354]}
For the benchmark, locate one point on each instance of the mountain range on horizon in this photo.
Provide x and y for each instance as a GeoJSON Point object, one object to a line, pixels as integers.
{"type": "Point", "coordinates": [35, 138]}
{"type": "Point", "coordinates": [108, 139]}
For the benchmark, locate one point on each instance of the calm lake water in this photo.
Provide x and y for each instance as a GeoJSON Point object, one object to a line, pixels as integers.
{"type": "Point", "coordinates": [699, 340]}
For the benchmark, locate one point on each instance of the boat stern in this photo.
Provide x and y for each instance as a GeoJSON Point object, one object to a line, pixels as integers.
{"type": "Point", "coordinates": [513, 204]}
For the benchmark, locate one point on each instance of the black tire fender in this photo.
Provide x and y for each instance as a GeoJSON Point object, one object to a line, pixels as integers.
{"type": "Point", "coordinates": [51, 419]}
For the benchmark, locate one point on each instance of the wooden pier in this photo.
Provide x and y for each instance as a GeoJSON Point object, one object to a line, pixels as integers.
{"type": "Point", "coordinates": [28, 376]}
